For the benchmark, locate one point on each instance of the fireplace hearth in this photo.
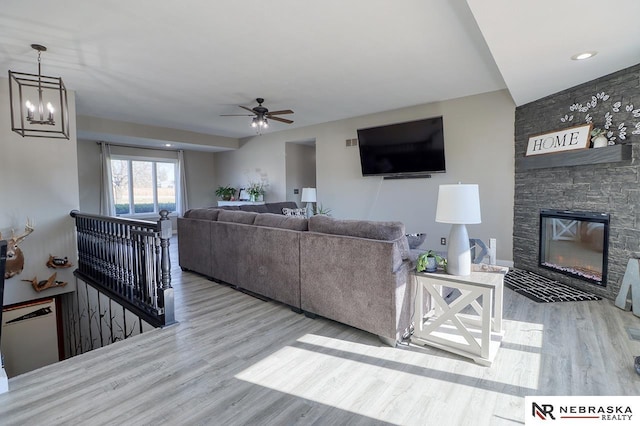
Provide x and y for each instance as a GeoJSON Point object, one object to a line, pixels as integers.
{"type": "Point", "coordinates": [575, 243]}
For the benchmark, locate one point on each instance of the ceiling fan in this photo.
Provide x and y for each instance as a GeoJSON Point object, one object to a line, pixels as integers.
{"type": "Point", "coordinates": [261, 114]}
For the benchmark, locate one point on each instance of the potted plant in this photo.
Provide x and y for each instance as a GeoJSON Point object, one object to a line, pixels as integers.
{"type": "Point", "coordinates": [429, 262]}
{"type": "Point", "coordinates": [320, 209]}
{"type": "Point", "coordinates": [599, 138]}
{"type": "Point", "coordinates": [256, 191]}
{"type": "Point", "coordinates": [226, 192]}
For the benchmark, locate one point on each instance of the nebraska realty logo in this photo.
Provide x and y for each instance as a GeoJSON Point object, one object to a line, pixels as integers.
{"type": "Point", "coordinates": [589, 409]}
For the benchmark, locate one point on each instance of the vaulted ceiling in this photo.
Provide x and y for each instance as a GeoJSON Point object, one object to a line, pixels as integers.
{"type": "Point", "coordinates": [183, 64]}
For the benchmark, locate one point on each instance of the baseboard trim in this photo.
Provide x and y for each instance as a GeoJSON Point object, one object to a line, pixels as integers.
{"type": "Point", "coordinates": [507, 263]}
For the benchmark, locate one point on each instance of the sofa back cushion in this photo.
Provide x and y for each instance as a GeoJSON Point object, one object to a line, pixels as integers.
{"type": "Point", "coordinates": [273, 220]}
{"type": "Point", "coordinates": [258, 208]}
{"type": "Point", "coordinates": [205, 214]}
{"type": "Point", "coordinates": [384, 231]}
{"type": "Point", "coordinates": [237, 216]}
{"type": "Point", "coordinates": [277, 207]}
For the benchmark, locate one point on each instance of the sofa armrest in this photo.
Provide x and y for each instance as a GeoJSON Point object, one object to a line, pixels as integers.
{"type": "Point", "coordinates": [360, 282]}
{"type": "Point", "coordinates": [194, 245]}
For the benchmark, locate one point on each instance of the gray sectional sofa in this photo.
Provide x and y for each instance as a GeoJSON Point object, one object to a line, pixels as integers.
{"type": "Point", "coordinates": [351, 271]}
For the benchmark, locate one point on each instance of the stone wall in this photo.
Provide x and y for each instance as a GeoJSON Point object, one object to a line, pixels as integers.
{"type": "Point", "coordinates": [612, 101]}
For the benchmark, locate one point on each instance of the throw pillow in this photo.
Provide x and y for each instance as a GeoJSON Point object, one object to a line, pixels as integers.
{"type": "Point", "coordinates": [294, 212]}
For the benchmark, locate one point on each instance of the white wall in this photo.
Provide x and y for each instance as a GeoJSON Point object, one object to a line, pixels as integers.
{"type": "Point", "coordinates": [201, 183]}
{"type": "Point", "coordinates": [39, 181]}
{"type": "Point", "coordinates": [121, 132]}
{"type": "Point", "coordinates": [89, 176]}
{"type": "Point", "coordinates": [261, 158]}
{"type": "Point", "coordinates": [479, 135]}
{"type": "Point", "coordinates": [300, 169]}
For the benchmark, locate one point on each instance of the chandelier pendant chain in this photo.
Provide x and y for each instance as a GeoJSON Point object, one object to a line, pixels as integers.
{"type": "Point", "coordinates": [49, 120]}
{"type": "Point", "coordinates": [40, 104]}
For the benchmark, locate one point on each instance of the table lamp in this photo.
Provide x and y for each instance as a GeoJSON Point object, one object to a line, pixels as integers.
{"type": "Point", "coordinates": [459, 205]}
{"type": "Point", "coordinates": [309, 197]}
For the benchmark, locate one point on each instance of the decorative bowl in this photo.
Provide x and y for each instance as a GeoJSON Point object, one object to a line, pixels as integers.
{"type": "Point", "coordinates": [415, 240]}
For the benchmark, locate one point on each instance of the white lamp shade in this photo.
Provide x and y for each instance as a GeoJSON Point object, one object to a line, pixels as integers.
{"type": "Point", "coordinates": [458, 204]}
{"type": "Point", "coordinates": [308, 195]}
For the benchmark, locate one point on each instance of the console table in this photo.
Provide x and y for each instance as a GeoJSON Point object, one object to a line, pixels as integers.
{"type": "Point", "coordinates": [469, 325]}
{"type": "Point", "coordinates": [240, 203]}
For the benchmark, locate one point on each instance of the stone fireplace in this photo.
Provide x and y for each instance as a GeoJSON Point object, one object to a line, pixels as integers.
{"type": "Point", "coordinates": [591, 180]}
{"type": "Point", "coordinates": [575, 243]}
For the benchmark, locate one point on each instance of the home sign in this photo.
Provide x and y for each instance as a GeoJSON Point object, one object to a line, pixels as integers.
{"type": "Point", "coordinates": [561, 140]}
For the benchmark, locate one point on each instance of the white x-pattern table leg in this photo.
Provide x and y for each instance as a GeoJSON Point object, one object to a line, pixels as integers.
{"type": "Point", "coordinates": [451, 312]}
{"type": "Point", "coordinates": [450, 326]}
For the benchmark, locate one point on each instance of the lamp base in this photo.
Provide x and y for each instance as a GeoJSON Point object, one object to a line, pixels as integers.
{"type": "Point", "coordinates": [309, 209]}
{"type": "Point", "coordinates": [459, 251]}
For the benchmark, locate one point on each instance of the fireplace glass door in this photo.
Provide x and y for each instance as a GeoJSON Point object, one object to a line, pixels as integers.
{"type": "Point", "coordinates": [575, 244]}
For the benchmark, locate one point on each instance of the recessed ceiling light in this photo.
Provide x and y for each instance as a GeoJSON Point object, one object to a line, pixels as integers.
{"type": "Point", "coordinates": [167, 144]}
{"type": "Point", "coordinates": [584, 55]}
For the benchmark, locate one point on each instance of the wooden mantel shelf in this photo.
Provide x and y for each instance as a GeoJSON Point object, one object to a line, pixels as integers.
{"type": "Point", "coordinates": [609, 154]}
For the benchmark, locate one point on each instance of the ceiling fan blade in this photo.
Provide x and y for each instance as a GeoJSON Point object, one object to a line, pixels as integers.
{"type": "Point", "coordinates": [283, 120]}
{"type": "Point", "coordinates": [284, 111]}
{"type": "Point", "coordinates": [247, 108]}
{"type": "Point", "coordinates": [236, 115]}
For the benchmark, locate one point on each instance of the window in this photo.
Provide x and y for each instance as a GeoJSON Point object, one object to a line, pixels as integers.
{"type": "Point", "coordinates": [143, 186]}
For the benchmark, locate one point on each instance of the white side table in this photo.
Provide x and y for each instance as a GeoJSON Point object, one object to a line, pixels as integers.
{"type": "Point", "coordinates": [469, 325]}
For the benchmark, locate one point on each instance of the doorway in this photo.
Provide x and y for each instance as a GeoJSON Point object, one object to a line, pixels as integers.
{"type": "Point", "coordinates": [300, 168]}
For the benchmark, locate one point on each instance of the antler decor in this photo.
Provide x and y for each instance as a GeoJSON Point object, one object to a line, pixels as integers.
{"type": "Point", "coordinates": [45, 284]}
{"type": "Point", "coordinates": [15, 258]}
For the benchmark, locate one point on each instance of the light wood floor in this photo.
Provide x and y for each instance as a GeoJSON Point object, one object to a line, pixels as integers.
{"type": "Point", "coordinates": [234, 359]}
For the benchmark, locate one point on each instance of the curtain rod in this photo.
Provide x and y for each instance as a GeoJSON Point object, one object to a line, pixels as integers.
{"type": "Point", "coordinates": [140, 147]}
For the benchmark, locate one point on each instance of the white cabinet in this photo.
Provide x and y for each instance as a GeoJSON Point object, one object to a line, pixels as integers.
{"type": "Point", "coordinates": [29, 336]}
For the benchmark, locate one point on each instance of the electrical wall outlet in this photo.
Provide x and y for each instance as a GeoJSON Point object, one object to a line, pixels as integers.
{"type": "Point", "coordinates": [443, 241]}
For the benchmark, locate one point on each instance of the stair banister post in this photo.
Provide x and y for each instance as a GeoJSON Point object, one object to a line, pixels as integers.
{"type": "Point", "coordinates": [165, 293]}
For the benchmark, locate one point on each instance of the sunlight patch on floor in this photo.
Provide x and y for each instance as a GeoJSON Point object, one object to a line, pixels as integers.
{"type": "Point", "coordinates": [391, 383]}
{"type": "Point", "coordinates": [329, 380]}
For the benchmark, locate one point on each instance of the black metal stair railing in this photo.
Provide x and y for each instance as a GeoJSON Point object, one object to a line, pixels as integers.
{"type": "Point", "coordinates": [129, 261]}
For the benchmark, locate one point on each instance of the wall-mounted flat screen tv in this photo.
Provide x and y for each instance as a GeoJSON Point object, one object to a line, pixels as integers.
{"type": "Point", "coordinates": [414, 148]}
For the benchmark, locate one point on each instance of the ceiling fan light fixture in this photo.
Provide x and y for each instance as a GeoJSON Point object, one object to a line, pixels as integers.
{"type": "Point", "coordinates": [34, 100]}
{"type": "Point", "coordinates": [261, 114]}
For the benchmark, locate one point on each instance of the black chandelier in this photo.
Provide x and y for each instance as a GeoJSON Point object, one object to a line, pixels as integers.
{"type": "Point", "coordinates": [39, 106]}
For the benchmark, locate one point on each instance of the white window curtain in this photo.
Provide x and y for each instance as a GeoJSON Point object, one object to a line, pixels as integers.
{"type": "Point", "coordinates": [107, 205]}
{"type": "Point", "coordinates": [183, 203]}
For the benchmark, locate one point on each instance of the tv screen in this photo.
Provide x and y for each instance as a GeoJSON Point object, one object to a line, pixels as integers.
{"type": "Point", "coordinates": [413, 148]}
